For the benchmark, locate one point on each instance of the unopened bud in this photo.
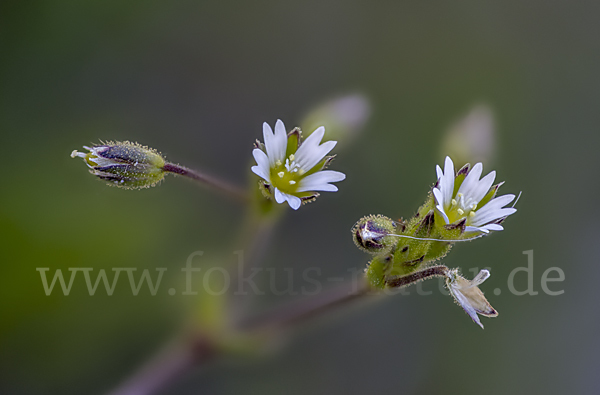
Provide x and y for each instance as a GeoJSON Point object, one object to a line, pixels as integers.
{"type": "Point", "coordinates": [343, 117]}
{"type": "Point", "coordinates": [124, 164]}
{"type": "Point", "coordinates": [375, 234]}
{"type": "Point", "coordinates": [472, 138]}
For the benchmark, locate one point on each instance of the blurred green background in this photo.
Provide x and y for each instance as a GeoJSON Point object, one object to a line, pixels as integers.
{"type": "Point", "coordinates": [196, 79]}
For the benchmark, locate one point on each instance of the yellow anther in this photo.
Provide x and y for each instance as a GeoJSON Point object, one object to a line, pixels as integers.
{"type": "Point", "coordinates": [281, 174]}
{"type": "Point", "coordinates": [301, 171]}
{"type": "Point", "coordinates": [292, 157]}
{"type": "Point", "coordinates": [460, 212]}
{"type": "Point", "coordinates": [278, 162]}
{"type": "Point", "coordinates": [472, 214]}
{"type": "Point", "coordinates": [453, 202]}
{"type": "Point", "coordinates": [474, 206]}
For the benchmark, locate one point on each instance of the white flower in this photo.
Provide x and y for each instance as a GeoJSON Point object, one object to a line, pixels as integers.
{"type": "Point", "coordinates": [474, 199]}
{"type": "Point", "coordinates": [294, 173]}
{"type": "Point", "coordinates": [469, 296]}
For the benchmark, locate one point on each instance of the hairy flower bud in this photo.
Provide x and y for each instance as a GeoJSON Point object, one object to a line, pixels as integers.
{"type": "Point", "coordinates": [344, 117]}
{"type": "Point", "coordinates": [472, 138]}
{"type": "Point", "coordinates": [124, 164]}
{"type": "Point", "coordinates": [375, 234]}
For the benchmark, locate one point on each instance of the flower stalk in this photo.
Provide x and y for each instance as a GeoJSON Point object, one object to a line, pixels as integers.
{"type": "Point", "coordinates": [209, 181]}
{"type": "Point", "coordinates": [133, 166]}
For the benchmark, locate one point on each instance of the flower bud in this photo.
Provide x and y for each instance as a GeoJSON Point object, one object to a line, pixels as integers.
{"type": "Point", "coordinates": [375, 234]}
{"type": "Point", "coordinates": [124, 164]}
{"type": "Point", "coordinates": [344, 117]}
{"type": "Point", "coordinates": [472, 138]}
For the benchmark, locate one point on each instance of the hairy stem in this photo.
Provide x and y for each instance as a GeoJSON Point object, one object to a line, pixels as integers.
{"type": "Point", "coordinates": [430, 272]}
{"type": "Point", "coordinates": [189, 352]}
{"type": "Point", "coordinates": [303, 310]}
{"type": "Point", "coordinates": [172, 362]}
{"type": "Point", "coordinates": [196, 350]}
{"type": "Point", "coordinates": [221, 186]}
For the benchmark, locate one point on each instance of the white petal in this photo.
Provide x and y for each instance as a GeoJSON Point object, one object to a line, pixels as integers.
{"type": "Point", "coordinates": [268, 137]}
{"type": "Point", "coordinates": [279, 196]}
{"type": "Point", "coordinates": [322, 177]}
{"type": "Point", "coordinates": [494, 227]}
{"type": "Point", "coordinates": [475, 229]}
{"type": "Point", "coordinates": [259, 172]}
{"type": "Point", "coordinates": [310, 153]}
{"type": "Point", "coordinates": [498, 202]}
{"type": "Point", "coordinates": [315, 137]}
{"type": "Point", "coordinates": [443, 214]}
{"type": "Point", "coordinates": [319, 181]}
{"type": "Point", "coordinates": [325, 188]}
{"type": "Point", "coordinates": [308, 156]}
{"type": "Point", "coordinates": [439, 172]}
{"type": "Point", "coordinates": [321, 188]}
{"type": "Point", "coordinates": [263, 163]}
{"type": "Point", "coordinates": [488, 217]}
{"type": "Point", "coordinates": [293, 201]}
{"type": "Point", "coordinates": [448, 165]}
{"type": "Point", "coordinates": [280, 140]}
{"type": "Point", "coordinates": [483, 187]}
{"type": "Point", "coordinates": [447, 182]}
{"type": "Point", "coordinates": [274, 144]}
{"type": "Point", "coordinates": [494, 205]}
{"type": "Point", "coordinates": [480, 277]}
{"type": "Point", "coordinates": [438, 196]}
{"type": "Point", "coordinates": [471, 182]}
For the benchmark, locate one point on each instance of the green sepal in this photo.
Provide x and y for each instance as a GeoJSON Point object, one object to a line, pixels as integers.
{"type": "Point", "coordinates": [460, 177]}
{"type": "Point", "coordinates": [376, 272]}
{"type": "Point", "coordinates": [437, 250]}
{"type": "Point", "coordinates": [294, 141]}
{"type": "Point", "coordinates": [426, 207]}
{"type": "Point", "coordinates": [490, 195]}
{"type": "Point", "coordinates": [321, 165]}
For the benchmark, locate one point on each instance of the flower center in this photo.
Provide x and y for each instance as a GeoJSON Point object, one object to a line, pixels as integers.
{"type": "Point", "coordinates": [285, 176]}
{"type": "Point", "coordinates": [460, 208]}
